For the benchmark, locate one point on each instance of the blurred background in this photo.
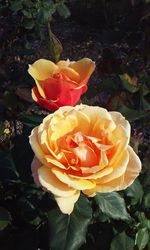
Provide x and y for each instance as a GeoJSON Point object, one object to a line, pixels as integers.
{"type": "Point", "coordinates": [116, 35]}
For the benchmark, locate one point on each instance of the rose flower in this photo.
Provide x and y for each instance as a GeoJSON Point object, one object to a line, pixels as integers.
{"type": "Point", "coordinates": [83, 148]}
{"type": "Point", "coordinates": [60, 84]}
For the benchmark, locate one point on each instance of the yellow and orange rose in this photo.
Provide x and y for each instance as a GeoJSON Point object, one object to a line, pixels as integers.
{"type": "Point", "coordinates": [60, 84]}
{"type": "Point", "coordinates": [83, 148]}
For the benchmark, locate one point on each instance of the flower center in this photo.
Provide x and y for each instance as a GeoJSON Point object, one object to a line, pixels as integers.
{"type": "Point", "coordinates": [61, 76]}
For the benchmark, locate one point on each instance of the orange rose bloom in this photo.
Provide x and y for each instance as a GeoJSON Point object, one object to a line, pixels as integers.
{"type": "Point", "coordinates": [83, 148]}
{"type": "Point", "coordinates": [60, 84]}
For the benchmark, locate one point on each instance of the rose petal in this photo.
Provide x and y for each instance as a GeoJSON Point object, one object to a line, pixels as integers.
{"type": "Point", "coordinates": [63, 63]}
{"type": "Point", "coordinates": [35, 94]}
{"type": "Point", "coordinates": [70, 97]}
{"type": "Point", "coordinates": [89, 192]}
{"type": "Point", "coordinates": [84, 68]}
{"type": "Point", "coordinates": [96, 114]}
{"type": "Point", "coordinates": [86, 156]}
{"type": "Point", "coordinates": [42, 69]}
{"type": "Point", "coordinates": [121, 183]}
{"type": "Point", "coordinates": [33, 139]}
{"type": "Point", "coordinates": [48, 104]}
{"type": "Point", "coordinates": [95, 176]}
{"type": "Point", "coordinates": [71, 74]}
{"type": "Point", "coordinates": [49, 181]}
{"type": "Point", "coordinates": [48, 146]}
{"type": "Point", "coordinates": [35, 165]}
{"type": "Point", "coordinates": [66, 204]}
{"type": "Point", "coordinates": [53, 162]}
{"type": "Point", "coordinates": [133, 168]}
{"type": "Point", "coordinates": [118, 118]}
{"type": "Point", "coordinates": [54, 88]}
{"type": "Point", "coordinates": [118, 169]}
{"type": "Point", "coordinates": [103, 161]}
{"type": "Point", "coordinates": [62, 126]}
{"type": "Point", "coordinates": [120, 139]}
{"type": "Point", "coordinates": [78, 184]}
{"type": "Point", "coordinates": [90, 170]}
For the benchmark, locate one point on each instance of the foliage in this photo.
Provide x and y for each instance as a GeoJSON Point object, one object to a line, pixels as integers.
{"type": "Point", "coordinates": [35, 14]}
{"type": "Point", "coordinates": [29, 217]}
{"type": "Point", "coordinates": [29, 22]}
{"type": "Point", "coordinates": [74, 226]}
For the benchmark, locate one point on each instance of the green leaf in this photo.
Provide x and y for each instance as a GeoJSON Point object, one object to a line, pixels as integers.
{"type": "Point", "coordinates": [5, 218]}
{"type": "Point", "coordinates": [145, 89]}
{"type": "Point", "coordinates": [132, 114]}
{"type": "Point", "coordinates": [7, 167]}
{"type": "Point", "coordinates": [128, 86]}
{"type": "Point", "coordinates": [27, 13]}
{"type": "Point", "coordinates": [135, 192]}
{"type": "Point", "coordinates": [63, 10]}
{"type": "Point", "coordinates": [45, 11]}
{"type": "Point", "coordinates": [16, 6]}
{"type": "Point", "coordinates": [144, 221]}
{"type": "Point", "coordinates": [113, 205]}
{"type": "Point", "coordinates": [142, 238]}
{"type": "Point", "coordinates": [68, 232]}
{"type": "Point", "coordinates": [122, 242]}
{"type": "Point", "coordinates": [146, 201]}
{"type": "Point", "coordinates": [102, 217]}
